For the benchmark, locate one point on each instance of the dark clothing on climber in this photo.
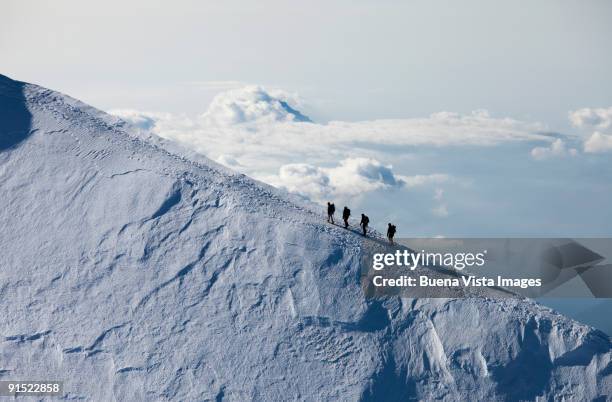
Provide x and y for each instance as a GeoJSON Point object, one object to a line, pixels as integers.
{"type": "Point", "coordinates": [391, 229]}
{"type": "Point", "coordinates": [364, 223]}
{"type": "Point", "coordinates": [345, 216]}
{"type": "Point", "coordinates": [331, 209]}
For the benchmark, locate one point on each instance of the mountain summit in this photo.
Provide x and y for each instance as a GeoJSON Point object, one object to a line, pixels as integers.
{"type": "Point", "coordinates": [134, 270]}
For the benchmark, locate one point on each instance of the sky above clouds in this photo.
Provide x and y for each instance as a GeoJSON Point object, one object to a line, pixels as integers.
{"type": "Point", "coordinates": [447, 118]}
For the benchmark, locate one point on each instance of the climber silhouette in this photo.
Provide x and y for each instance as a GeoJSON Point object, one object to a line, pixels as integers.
{"type": "Point", "coordinates": [391, 229]}
{"type": "Point", "coordinates": [331, 209]}
{"type": "Point", "coordinates": [364, 223]}
{"type": "Point", "coordinates": [345, 216]}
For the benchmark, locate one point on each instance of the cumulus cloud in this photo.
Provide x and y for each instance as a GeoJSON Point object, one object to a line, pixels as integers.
{"type": "Point", "coordinates": [357, 175]}
{"type": "Point", "coordinates": [251, 104]}
{"type": "Point", "coordinates": [600, 118]}
{"type": "Point", "coordinates": [594, 118]}
{"type": "Point", "coordinates": [303, 179]}
{"type": "Point", "coordinates": [557, 149]}
{"type": "Point", "coordinates": [351, 177]}
{"type": "Point", "coordinates": [598, 143]}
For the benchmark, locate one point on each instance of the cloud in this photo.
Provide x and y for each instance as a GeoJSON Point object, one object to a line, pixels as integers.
{"type": "Point", "coordinates": [357, 175]}
{"type": "Point", "coordinates": [439, 129]}
{"type": "Point", "coordinates": [600, 118]}
{"type": "Point", "coordinates": [251, 104]}
{"type": "Point", "coordinates": [556, 149]}
{"type": "Point", "coordinates": [598, 143]}
{"type": "Point", "coordinates": [303, 179]}
{"type": "Point", "coordinates": [351, 177]}
{"type": "Point", "coordinates": [594, 118]}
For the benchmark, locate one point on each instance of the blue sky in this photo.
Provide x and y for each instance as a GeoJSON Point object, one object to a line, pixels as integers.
{"type": "Point", "coordinates": [375, 77]}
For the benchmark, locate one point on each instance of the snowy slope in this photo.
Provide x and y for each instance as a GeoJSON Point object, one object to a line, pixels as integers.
{"type": "Point", "coordinates": [133, 270]}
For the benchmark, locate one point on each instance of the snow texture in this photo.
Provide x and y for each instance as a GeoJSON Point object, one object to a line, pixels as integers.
{"type": "Point", "coordinates": [135, 270]}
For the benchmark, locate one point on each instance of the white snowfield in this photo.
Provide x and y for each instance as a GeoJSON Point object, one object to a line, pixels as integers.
{"type": "Point", "coordinates": [133, 270]}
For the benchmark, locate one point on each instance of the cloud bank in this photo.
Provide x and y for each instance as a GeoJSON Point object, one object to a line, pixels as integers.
{"type": "Point", "coordinates": [262, 133]}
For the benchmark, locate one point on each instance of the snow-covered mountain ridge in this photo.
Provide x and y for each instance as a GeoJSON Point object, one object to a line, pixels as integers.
{"type": "Point", "coordinates": [134, 270]}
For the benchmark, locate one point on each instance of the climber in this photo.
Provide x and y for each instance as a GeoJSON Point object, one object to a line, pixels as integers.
{"type": "Point", "coordinates": [345, 216]}
{"type": "Point", "coordinates": [364, 223]}
{"type": "Point", "coordinates": [331, 208]}
{"type": "Point", "coordinates": [391, 229]}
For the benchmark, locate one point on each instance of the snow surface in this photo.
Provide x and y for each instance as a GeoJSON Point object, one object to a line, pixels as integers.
{"type": "Point", "coordinates": [134, 270]}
